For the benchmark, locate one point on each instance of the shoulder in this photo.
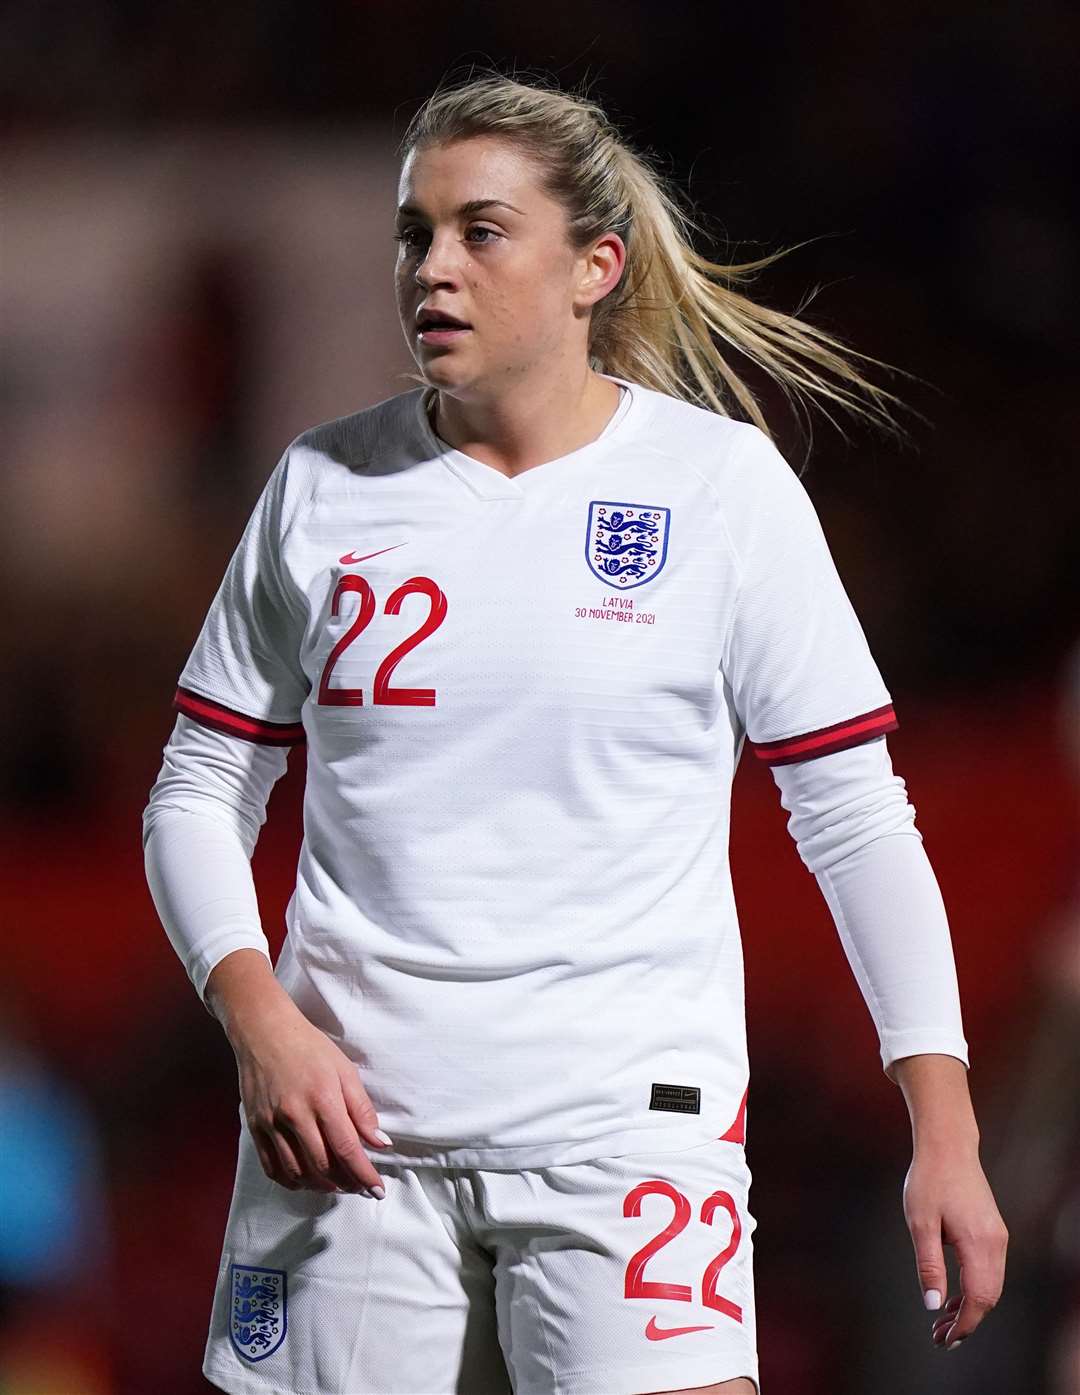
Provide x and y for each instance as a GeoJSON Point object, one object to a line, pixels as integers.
{"type": "Point", "coordinates": [353, 441]}
{"type": "Point", "coordinates": [735, 458]}
{"type": "Point", "coordinates": [356, 443]}
{"type": "Point", "coordinates": [760, 504]}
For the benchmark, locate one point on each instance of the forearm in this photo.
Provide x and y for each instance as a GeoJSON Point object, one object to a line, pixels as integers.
{"type": "Point", "coordinates": [855, 830]}
{"type": "Point", "coordinates": [935, 1089]}
{"type": "Point", "coordinates": [891, 920]}
{"type": "Point", "coordinates": [201, 883]}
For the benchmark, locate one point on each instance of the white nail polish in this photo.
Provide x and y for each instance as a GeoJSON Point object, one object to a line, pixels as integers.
{"type": "Point", "coordinates": [953, 1345]}
{"type": "Point", "coordinates": [380, 1192]}
{"type": "Point", "coordinates": [932, 1298]}
{"type": "Point", "coordinates": [383, 1137]}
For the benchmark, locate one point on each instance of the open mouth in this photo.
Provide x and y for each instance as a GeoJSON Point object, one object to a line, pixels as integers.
{"type": "Point", "coordinates": [436, 328]}
{"type": "Point", "coordinates": [441, 334]}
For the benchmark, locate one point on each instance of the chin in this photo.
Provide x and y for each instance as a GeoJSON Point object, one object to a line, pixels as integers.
{"type": "Point", "coordinates": [434, 376]}
{"type": "Point", "coordinates": [441, 371]}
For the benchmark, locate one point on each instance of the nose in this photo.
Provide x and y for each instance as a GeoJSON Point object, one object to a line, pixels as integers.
{"type": "Point", "coordinates": [438, 266]}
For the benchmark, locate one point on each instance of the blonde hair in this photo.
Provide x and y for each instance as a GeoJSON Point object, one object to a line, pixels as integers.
{"type": "Point", "coordinates": [660, 324]}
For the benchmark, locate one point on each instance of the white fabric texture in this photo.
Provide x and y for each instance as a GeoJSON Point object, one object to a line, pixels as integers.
{"type": "Point", "coordinates": [512, 1281]}
{"type": "Point", "coordinates": [851, 819]}
{"type": "Point", "coordinates": [522, 702]}
{"type": "Point", "coordinates": [248, 650]}
{"type": "Point", "coordinates": [854, 828]}
{"type": "Point", "coordinates": [794, 643]}
{"type": "Point", "coordinates": [199, 833]}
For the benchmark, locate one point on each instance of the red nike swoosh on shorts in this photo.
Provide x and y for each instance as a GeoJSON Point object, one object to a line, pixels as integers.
{"type": "Point", "coordinates": [349, 557]}
{"type": "Point", "coordinates": [657, 1334]}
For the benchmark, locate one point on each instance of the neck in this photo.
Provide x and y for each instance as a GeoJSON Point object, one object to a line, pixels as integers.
{"type": "Point", "coordinates": [529, 424]}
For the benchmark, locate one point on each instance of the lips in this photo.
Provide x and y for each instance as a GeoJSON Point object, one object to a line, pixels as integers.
{"type": "Point", "coordinates": [439, 319]}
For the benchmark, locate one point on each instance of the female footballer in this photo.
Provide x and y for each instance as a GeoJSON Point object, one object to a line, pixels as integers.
{"type": "Point", "coordinates": [525, 617]}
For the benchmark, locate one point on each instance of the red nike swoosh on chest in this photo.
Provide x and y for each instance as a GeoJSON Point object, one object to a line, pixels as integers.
{"type": "Point", "coordinates": [657, 1334]}
{"type": "Point", "coordinates": [350, 557]}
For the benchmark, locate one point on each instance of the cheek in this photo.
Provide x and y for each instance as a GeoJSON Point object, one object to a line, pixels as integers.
{"type": "Point", "coordinates": [526, 307]}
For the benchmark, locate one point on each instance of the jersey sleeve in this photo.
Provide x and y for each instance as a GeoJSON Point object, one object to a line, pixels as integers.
{"type": "Point", "coordinates": [803, 680]}
{"type": "Point", "coordinates": [244, 676]}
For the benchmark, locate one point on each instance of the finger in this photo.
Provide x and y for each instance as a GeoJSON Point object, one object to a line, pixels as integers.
{"type": "Point", "coordinates": [945, 1320]}
{"type": "Point", "coordinates": [269, 1160]}
{"type": "Point", "coordinates": [948, 1311]}
{"type": "Point", "coordinates": [345, 1180]}
{"type": "Point", "coordinates": [345, 1148]}
{"type": "Point", "coordinates": [296, 1159]}
{"type": "Point", "coordinates": [982, 1277]}
{"type": "Point", "coordinates": [310, 1147]}
{"type": "Point", "coordinates": [362, 1111]}
{"type": "Point", "coordinates": [289, 1169]}
{"type": "Point", "coordinates": [274, 1169]}
{"type": "Point", "coordinates": [929, 1259]}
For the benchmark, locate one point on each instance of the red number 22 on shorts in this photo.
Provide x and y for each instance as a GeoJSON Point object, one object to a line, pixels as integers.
{"type": "Point", "coordinates": [639, 1287]}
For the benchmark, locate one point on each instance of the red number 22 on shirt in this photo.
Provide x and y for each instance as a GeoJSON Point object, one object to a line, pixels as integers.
{"type": "Point", "coordinates": [381, 689]}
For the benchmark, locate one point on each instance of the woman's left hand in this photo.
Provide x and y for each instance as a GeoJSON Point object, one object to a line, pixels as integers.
{"type": "Point", "coordinates": [948, 1201]}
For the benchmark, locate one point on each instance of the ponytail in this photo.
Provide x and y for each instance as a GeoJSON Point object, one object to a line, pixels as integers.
{"type": "Point", "coordinates": [673, 309]}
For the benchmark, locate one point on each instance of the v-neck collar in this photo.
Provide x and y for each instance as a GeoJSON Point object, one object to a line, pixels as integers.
{"type": "Point", "coordinates": [489, 483]}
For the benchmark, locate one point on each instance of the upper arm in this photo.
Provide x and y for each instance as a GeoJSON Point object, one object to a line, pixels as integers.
{"type": "Point", "coordinates": [803, 679]}
{"type": "Point", "coordinates": [244, 674]}
{"type": "Point", "coordinates": [207, 771]}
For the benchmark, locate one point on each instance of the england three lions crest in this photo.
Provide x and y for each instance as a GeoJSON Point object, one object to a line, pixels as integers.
{"type": "Point", "coordinates": [257, 1316]}
{"type": "Point", "coordinates": [626, 544]}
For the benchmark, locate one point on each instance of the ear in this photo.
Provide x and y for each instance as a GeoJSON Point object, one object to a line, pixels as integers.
{"type": "Point", "coordinates": [602, 266]}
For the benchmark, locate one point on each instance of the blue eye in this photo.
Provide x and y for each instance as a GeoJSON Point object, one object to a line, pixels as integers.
{"type": "Point", "coordinates": [407, 235]}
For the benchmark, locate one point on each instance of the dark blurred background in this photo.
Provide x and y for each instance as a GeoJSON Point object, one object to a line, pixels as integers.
{"type": "Point", "coordinates": [197, 265]}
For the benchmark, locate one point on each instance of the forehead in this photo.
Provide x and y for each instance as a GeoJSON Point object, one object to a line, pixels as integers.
{"type": "Point", "coordinates": [473, 168]}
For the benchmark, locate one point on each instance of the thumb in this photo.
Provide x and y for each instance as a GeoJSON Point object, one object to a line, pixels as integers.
{"type": "Point", "coordinates": [930, 1263]}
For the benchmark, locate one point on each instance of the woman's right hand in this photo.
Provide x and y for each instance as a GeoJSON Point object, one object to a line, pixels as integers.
{"type": "Point", "coordinates": [305, 1107]}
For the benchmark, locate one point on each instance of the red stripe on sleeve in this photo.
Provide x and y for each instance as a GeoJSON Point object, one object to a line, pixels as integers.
{"type": "Point", "coordinates": [838, 737]}
{"type": "Point", "coordinates": [215, 714]}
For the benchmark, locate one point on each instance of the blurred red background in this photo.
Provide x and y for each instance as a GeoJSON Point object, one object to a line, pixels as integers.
{"type": "Point", "coordinates": [197, 238]}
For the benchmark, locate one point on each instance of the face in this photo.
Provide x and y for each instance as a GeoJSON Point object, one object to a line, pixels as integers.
{"type": "Point", "coordinates": [480, 240]}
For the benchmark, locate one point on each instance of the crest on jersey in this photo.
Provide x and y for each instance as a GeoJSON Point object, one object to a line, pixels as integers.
{"type": "Point", "coordinates": [626, 544]}
{"type": "Point", "coordinates": [256, 1310]}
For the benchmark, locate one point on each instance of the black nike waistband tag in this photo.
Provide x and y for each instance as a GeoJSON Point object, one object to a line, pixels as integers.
{"type": "Point", "coordinates": [683, 1099]}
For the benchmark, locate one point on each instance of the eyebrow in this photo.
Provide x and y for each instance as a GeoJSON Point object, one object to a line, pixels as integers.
{"type": "Point", "coordinates": [472, 206]}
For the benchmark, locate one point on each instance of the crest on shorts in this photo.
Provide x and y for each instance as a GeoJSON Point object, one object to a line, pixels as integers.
{"type": "Point", "coordinates": [256, 1310]}
{"type": "Point", "coordinates": [626, 544]}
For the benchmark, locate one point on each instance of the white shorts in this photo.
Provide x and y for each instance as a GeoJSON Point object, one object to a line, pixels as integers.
{"type": "Point", "coordinates": [614, 1276]}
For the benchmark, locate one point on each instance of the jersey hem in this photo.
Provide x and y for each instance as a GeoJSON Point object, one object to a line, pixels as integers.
{"type": "Point", "coordinates": [896, 1046]}
{"type": "Point", "coordinates": [417, 1152]}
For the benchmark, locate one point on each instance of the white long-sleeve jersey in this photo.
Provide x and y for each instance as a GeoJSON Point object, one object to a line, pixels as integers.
{"type": "Point", "coordinates": [522, 703]}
